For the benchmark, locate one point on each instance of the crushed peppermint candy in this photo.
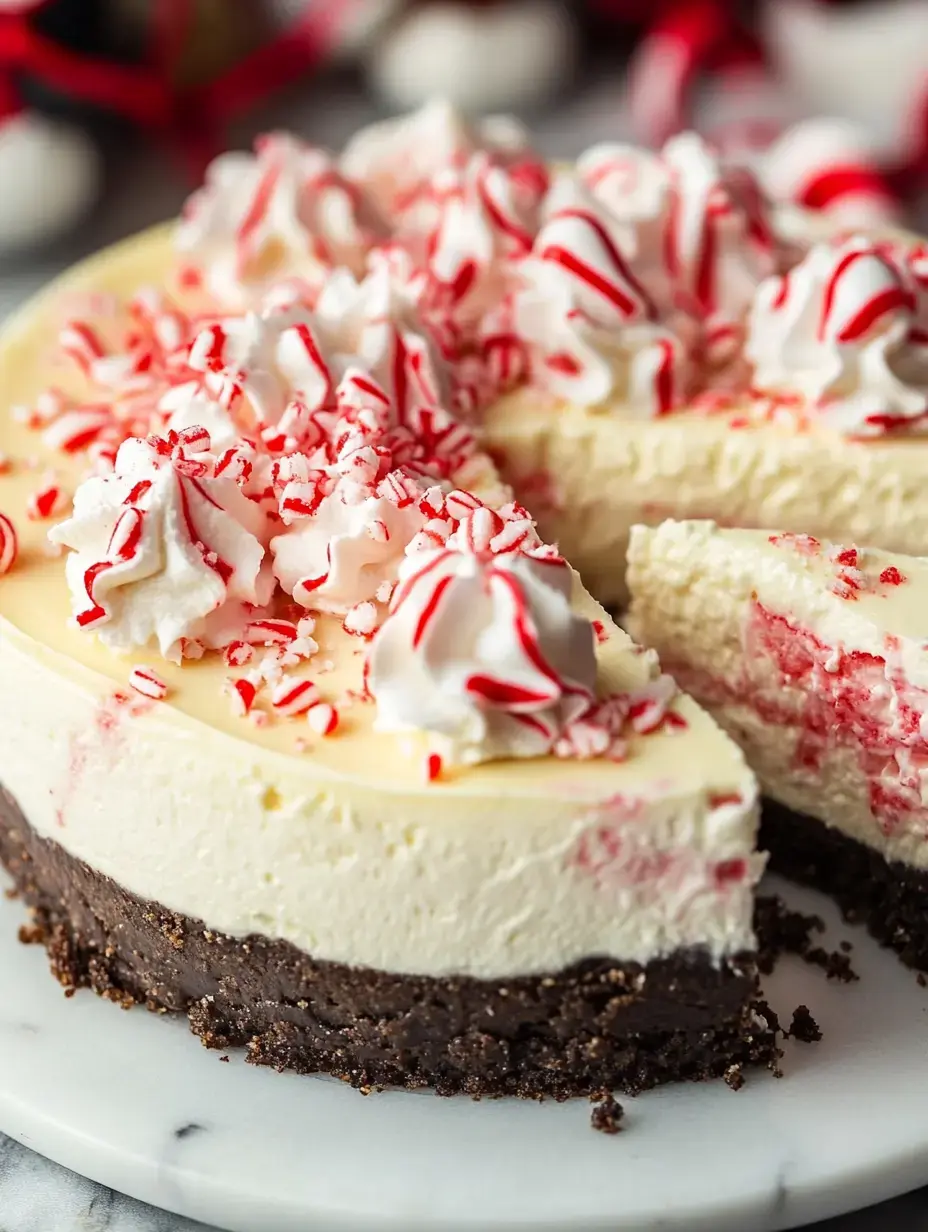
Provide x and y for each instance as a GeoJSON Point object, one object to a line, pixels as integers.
{"type": "Point", "coordinates": [322, 718]}
{"type": "Point", "coordinates": [47, 502]}
{"type": "Point", "coordinates": [238, 654]}
{"type": "Point", "coordinates": [805, 545]}
{"type": "Point", "coordinates": [294, 697]}
{"type": "Point", "coordinates": [147, 682]}
{"type": "Point", "coordinates": [242, 694]}
{"type": "Point", "coordinates": [9, 544]}
{"type": "Point", "coordinates": [361, 620]}
{"type": "Point", "coordinates": [270, 632]}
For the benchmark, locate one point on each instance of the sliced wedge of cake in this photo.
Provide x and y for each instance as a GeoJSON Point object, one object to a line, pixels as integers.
{"type": "Point", "coordinates": [814, 657]}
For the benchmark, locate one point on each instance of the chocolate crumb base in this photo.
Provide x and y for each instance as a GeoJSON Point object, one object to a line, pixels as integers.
{"type": "Point", "coordinates": [888, 897]}
{"type": "Point", "coordinates": [598, 1026]}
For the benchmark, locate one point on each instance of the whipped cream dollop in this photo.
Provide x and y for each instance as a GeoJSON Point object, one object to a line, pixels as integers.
{"type": "Point", "coordinates": [346, 532]}
{"type": "Point", "coordinates": [590, 324]}
{"type": "Point", "coordinates": [284, 211]}
{"type": "Point", "coordinates": [395, 161]}
{"type": "Point", "coordinates": [481, 648]}
{"type": "Point", "coordinates": [374, 324]}
{"type": "Point", "coordinates": [719, 243]}
{"type": "Point", "coordinates": [259, 364]}
{"type": "Point", "coordinates": [164, 551]}
{"type": "Point", "coordinates": [189, 406]}
{"type": "Point", "coordinates": [841, 333]}
{"type": "Point", "coordinates": [695, 230]}
{"type": "Point", "coordinates": [486, 221]}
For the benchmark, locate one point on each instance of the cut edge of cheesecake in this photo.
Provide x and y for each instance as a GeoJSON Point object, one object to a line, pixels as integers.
{"type": "Point", "coordinates": [814, 657]}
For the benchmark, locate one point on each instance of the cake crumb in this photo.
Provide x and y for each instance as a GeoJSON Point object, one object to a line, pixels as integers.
{"type": "Point", "coordinates": [835, 965]}
{"type": "Point", "coordinates": [783, 931]}
{"type": "Point", "coordinates": [606, 1117]}
{"type": "Point", "coordinates": [804, 1027]}
{"type": "Point", "coordinates": [226, 1059]}
{"type": "Point", "coordinates": [734, 1077]}
{"type": "Point", "coordinates": [921, 980]}
{"type": "Point", "coordinates": [31, 934]}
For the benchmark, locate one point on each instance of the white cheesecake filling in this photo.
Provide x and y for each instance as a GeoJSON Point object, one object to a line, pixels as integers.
{"type": "Point", "coordinates": [491, 874]}
{"type": "Point", "coordinates": [812, 657]}
{"type": "Point", "coordinates": [590, 476]}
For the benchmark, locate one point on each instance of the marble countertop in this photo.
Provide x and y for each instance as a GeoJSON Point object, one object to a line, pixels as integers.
{"type": "Point", "coordinates": [35, 1194]}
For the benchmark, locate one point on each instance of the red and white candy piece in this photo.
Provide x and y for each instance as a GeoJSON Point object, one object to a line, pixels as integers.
{"type": "Point", "coordinates": [238, 654]}
{"type": "Point", "coordinates": [9, 544]}
{"type": "Point", "coordinates": [292, 698]}
{"type": "Point", "coordinates": [322, 718]}
{"type": "Point", "coordinates": [80, 342]}
{"type": "Point", "coordinates": [77, 429]}
{"type": "Point", "coordinates": [145, 681]}
{"type": "Point", "coordinates": [270, 632]}
{"type": "Point", "coordinates": [242, 694]}
{"type": "Point", "coordinates": [361, 620]}
{"type": "Point", "coordinates": [46, 502]}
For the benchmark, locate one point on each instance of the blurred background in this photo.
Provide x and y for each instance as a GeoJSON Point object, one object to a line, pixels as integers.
{"type": "Point", "coordinates": [111, 109]}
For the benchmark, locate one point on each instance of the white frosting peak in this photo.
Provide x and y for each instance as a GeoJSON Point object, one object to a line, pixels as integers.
{"type": "Point", "coordinates": [841, 333]}
{"type": "Point", "coordinates": [346, 536]}
{"type": "Point", "coordinates": [719, 244]}
{"type": "Point", "coordinates": [395, 160]}
{"type": "Point", "coordinates": [163, 550]}
{"type": "Point", "coordinates": [589, 322]}
{"type": "Point", "coordinates": [283, 211]}
{"type": "Point", "coordinates": [481, 648]}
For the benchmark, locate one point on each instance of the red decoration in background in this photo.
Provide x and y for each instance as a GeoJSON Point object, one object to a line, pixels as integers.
{"type": "Point", "coordinates": [147, 94]}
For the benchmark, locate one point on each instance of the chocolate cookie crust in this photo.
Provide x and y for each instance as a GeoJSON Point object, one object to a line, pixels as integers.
{"type": "Point", "coordinates": [595, 1026]}
{"type": "Point", "coordinates": [891, 899]}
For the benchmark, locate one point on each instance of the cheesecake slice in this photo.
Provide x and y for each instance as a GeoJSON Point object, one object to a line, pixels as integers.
{"type": "Point", "coordinates": [814, 658]}
{"type": "Point", "coordinates": [308, 736]}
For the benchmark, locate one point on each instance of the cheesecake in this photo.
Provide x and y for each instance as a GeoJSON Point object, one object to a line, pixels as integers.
{"type": "Point", "coordinates": [316, 730]}
{"type": "Point", "coordinates": [311, 737]}
{"type": "Point", "coordinates": [813, 656]}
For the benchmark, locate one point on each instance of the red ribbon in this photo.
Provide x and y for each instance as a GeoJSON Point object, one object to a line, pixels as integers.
{"type": "Point", "coordinates": [147, 94]}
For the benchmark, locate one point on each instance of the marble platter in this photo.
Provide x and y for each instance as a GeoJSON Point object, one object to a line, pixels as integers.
{"type": "Point", "coordinates": [133, 1101]}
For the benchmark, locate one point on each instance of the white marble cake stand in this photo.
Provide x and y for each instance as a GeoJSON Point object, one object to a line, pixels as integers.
{"type": "Point", "coordinates": [133, 1101]}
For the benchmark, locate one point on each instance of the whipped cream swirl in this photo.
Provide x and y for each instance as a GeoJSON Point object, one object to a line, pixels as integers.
{"type": "Point", "coordinates": [590, 324]}
{"type": "Point", "coordinates": [346, 532]}
{"type": "Point", "coordinates": [163, 550]}
{"type": "Point", "coordinates": [841, 335]}
{"type": "Point", "coordinates": [481, 648]}
{"type": "Point", "coordinates": [695, 230]}
{"type": "Point", "coordinates": [282, 212]}
{"type": "Point", "coordinates": [719, 244]}
{"type": "Point", "coordinates": [395, 161]}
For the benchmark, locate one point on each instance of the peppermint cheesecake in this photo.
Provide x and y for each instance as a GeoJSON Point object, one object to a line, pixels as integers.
{"type": "Point", "coordinates": [812, 656]}
{"type": "Point", "coordinates": [312, 732]}
{"type": "Point", "coordinates": [310, 737]}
